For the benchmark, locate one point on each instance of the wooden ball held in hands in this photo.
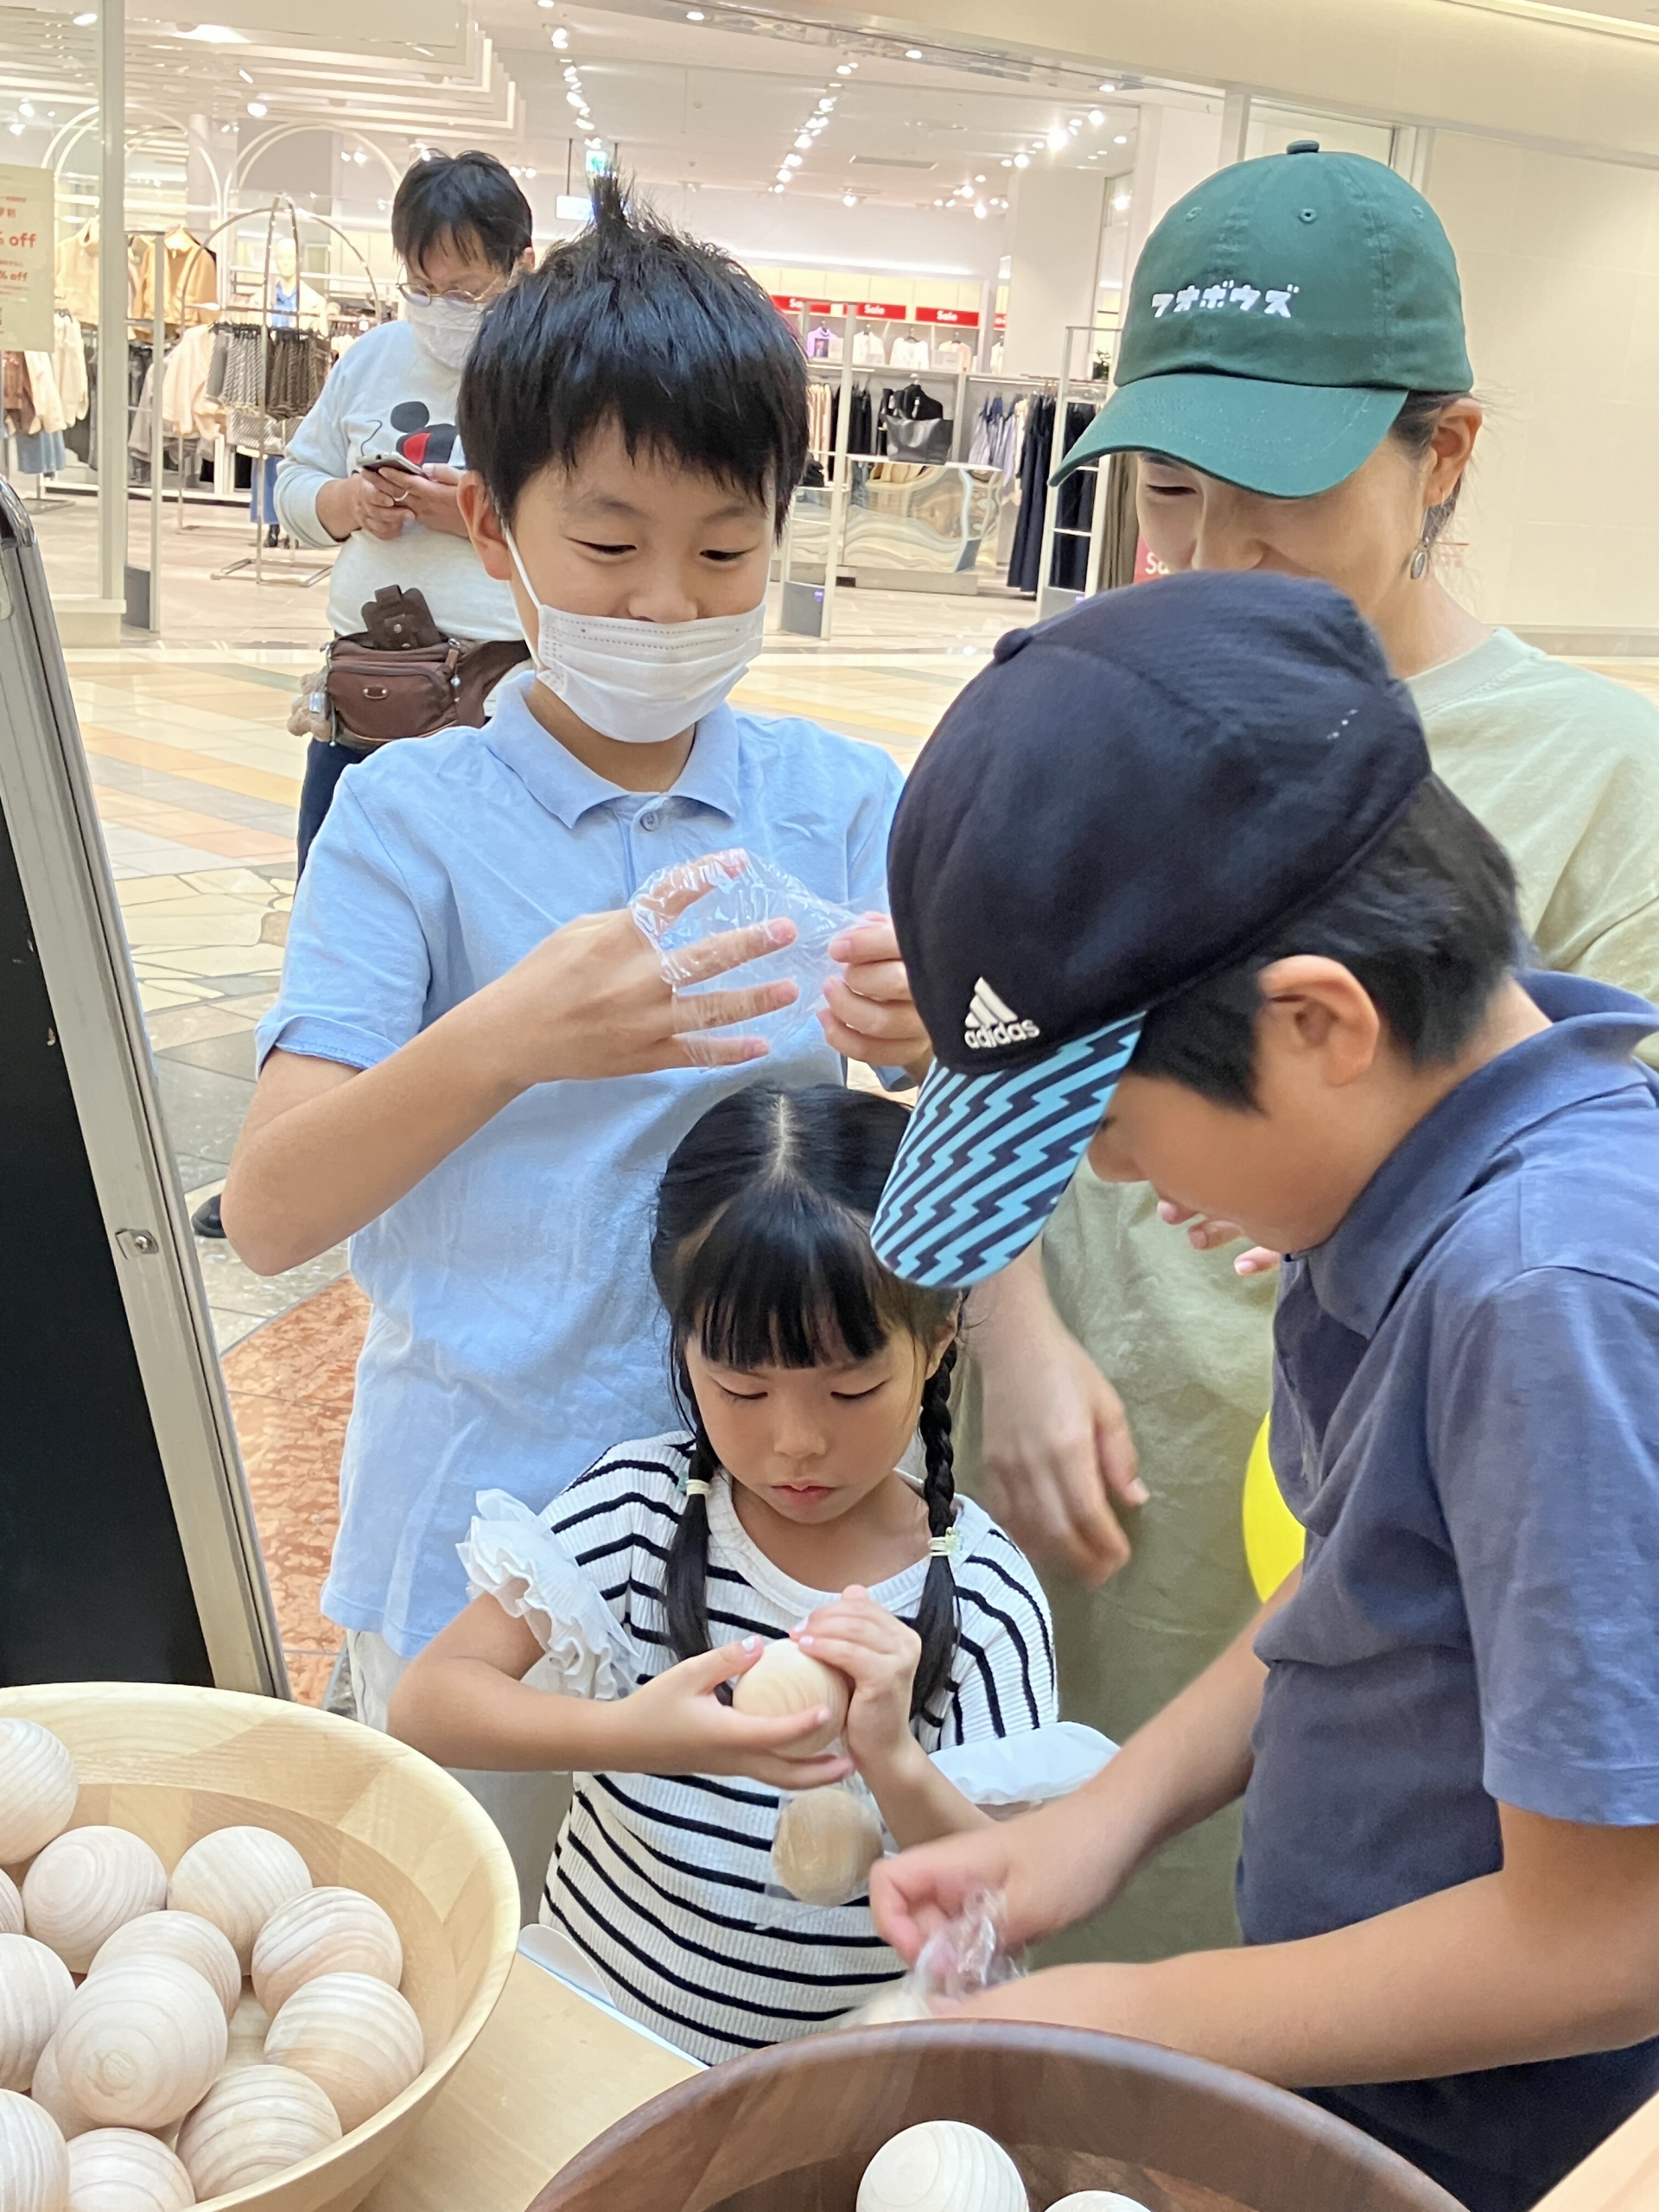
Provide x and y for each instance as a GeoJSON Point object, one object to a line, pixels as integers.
{"type": "Point", "coordinates": [942, 2165]}
{"type": "Point", "coordinates": [85, 1885]}
{"type": "Point", "coordinates": [237, 1878]}
{"type": "Point", "coordinates": [326, 1931]}
{"type": "Point", "coordinates": [252, 2123]}
{"type": "Point", "coordinates": [354, 2037]}
{"type": "Point", "coordinates": [786, 1679]}
{"type": "Point", "coordinates": [38, 1790]}
{"type": "Point", "coordinates": [183, 1936]}
{"type": "Point", "coordinates": [118, 2170]}
{"type": "Point", "coordinates": [35, 1986]}
{"type": "Point", "coordinates": [141, 2043]}
{"type": "Point", "coordinates": [34, 2160]}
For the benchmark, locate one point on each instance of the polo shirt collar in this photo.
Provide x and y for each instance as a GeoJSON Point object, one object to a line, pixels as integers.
{"type": "Point", "coordinates": [1584, 1054]}
{"type": "Point", "coordinates": [569, 789]}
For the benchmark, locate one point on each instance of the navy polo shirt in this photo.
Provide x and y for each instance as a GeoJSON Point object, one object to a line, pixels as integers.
{"type": "Point", "coordinates": [1465, 1420]}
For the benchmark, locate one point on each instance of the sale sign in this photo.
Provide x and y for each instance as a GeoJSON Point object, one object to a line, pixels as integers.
{"type": "Point", "coordinates": [26, 219]}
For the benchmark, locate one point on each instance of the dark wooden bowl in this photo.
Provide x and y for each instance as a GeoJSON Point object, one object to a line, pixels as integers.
{"type": "Point", "coordinates": [792, 2128]}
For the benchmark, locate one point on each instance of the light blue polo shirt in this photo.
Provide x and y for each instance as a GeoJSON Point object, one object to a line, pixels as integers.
{"type": "Point", "coordinates": [515, 1333]}
{"type": "Point", "coordinates": [1466, 1419]}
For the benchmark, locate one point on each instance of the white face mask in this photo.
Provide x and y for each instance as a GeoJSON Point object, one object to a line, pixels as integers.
{"type": "Point", "coordinates": [641, 683]}
{"type": "Point", "coordinates": [444, 328]}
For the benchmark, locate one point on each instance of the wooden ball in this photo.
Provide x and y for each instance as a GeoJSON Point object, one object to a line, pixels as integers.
{"type": "Point", "coordinates": [327, 1931]}
{"type": "Point", "coordinates": [11, 1906]}
{"type": "Point", "coordinates": [141, 2042]}
{"type": "Point", "coordinates": [250, 2025]}
{"type": "Point", "coordinates": [1098, 2200]}
{"type": "Point", "coordinates": [34, 2158]}
{"type": "Point", "coordinates": [48, 2092]}
{"type": "Point", "coordinates": [38, 1790]}
{"type": "Point", "coordinates": [183, 1936]}
{"type": "Point", "coordinates": [786, 1679]}
{"type": "Point", "coordinates": [354, 2037]}
{"type": "Point", "coordinates": [88, 1884]}
{"type": "Point", "coordinates": [35, 1986]}
{"type": "Point", "coordinates": [826, 1843]}
{"type": "Point", "coordinates": [237, 1878]}
{"type": "Point", "coordinates": [942, 2165]}
{"type": "Point", "coordinates": [119, 2170]}
{"type": "Point", "coordinates": [252, 2124]}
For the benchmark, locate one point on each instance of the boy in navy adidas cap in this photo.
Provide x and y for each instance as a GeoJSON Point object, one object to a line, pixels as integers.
{"type": "Point", "coordinates": [1176, 887]}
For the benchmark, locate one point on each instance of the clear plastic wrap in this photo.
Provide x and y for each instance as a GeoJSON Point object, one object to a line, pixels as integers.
{"type": "Point", "coordinates": [511, 1555]}
{"type": "Point", "coordinates": [958, 1960]}
{"type": "Point", "coordinates": [736, 890]}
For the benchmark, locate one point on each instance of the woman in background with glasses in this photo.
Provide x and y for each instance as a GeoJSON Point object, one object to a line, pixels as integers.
{"type": "Point", "coordinates": [461, 228]}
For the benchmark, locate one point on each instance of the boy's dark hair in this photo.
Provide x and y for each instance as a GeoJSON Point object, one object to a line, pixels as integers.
{"type": "Point", "coordinates": [761, 1254]}
{"type": "Point", "coordinates": [636, 324]}
{"type": "Point", "coordinates": [462, 201]}
{"type": "Point", "coordinates": [1426, 923]}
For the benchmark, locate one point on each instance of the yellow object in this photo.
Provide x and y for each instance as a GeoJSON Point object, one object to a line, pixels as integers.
{"type": "Point", "coordinates": [1273, 1537]}
{"type": "Point", "coordinates": [175, 1762]}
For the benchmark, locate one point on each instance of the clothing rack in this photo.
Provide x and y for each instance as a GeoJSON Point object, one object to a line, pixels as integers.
{"type": "Point", "coordinates": [1052, 598]}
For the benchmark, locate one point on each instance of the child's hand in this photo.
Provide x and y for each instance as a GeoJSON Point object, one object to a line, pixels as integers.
{"type": "Point", "coordinates": [879, 1655]}
{"type": "Point", "coordinates": [870, 1015]}
{"type": "Point", "coordinates": [1208, 1232]}
{"type": "Point", "coordinates": [676, 1725]}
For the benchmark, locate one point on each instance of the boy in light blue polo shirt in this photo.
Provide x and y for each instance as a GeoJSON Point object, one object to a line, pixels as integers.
{"type": "Point", "coordinates": [474, 1067]}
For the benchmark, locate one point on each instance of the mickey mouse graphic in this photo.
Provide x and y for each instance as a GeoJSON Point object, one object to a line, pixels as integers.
{"type": "Point", "coordinates": [419, 438]}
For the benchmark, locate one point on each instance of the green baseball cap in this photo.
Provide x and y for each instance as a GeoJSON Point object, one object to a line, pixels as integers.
{"type": "Point", "coordinates": [1278, 316]}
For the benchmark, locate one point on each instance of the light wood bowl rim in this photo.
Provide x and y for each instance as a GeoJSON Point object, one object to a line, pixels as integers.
{"type": "Point", "coordinates": [496, 1863]}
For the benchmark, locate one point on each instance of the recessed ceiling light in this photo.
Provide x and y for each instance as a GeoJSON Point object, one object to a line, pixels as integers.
{"type": "Point", "coordinates": [803, 144]}
{"type": "Point", "coordinates": [1006, 163]}
{"type": "Point", "coordinates": [1109, 88]}
{"type": "Point", "coordinates": [80, 21]}
{"type": "Point", "coordinates": [215, 34]}
{"type": "Point", "coordinates": [26, 109]}
{"type": "Point", "coordinates": [1121, 202]}
{"type": "Point", "coordinates": [1122, 139]}
{"type": "Point", "coordinates": [1096, 116]}
{"type": "Point", "coordinates": [574, 99]}
{"type": "Point", "coordinates": [845, 68]}
{"type": "Point", "coordinates": [561, 38]}
{"type": "Point", "coordinates": [15, 128]}
{"type": "Point", "coordinates": [257, 107]}
{"type": "Point", "coordinates": [1022, 161]}
{"type": "Point", "coordinates": [912, 54]}
{"type": "Point", "coordinates": [1057, 138]}
{"type": "Point", "coordinates": [981, 210]}
{"type": "Point", "coordinates": [791, 160]}
{"type": "Point", "coordinates": [849, 200]}
{"type": "Point", "coordinates": [695, 15]}
{"type": "Point", "coordinates": [979, 180]}
{"type": "Point", "coordinates": [824, 105]}
{"type": "Point", "coordinates": [243, 75]}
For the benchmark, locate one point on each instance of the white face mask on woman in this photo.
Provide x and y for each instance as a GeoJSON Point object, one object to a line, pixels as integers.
{"type": "Point", "coordinates": [444, 328]}
{"type": "Point", "coordinates": [641, 683]}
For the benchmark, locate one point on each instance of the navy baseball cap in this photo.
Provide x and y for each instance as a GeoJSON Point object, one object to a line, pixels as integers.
{"type": "Point", "coordinates": [1132, 797]}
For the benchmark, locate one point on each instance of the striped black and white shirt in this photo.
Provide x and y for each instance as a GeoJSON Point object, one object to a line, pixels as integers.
{"type": "Point", "coordinates": [658, 1880]}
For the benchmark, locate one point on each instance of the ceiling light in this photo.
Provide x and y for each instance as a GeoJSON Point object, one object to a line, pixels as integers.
{"type": "Point", "coordinates": [26, 109]}
{"type": "Point", "coordinates": [912, 54]}
{"type": "Point", "coordinates": [849, 200]}
{"type": "Point", "coordinates": [803, 144]}
{"type": "Point", "coordinates": [15, 128]}
{"type": "Point", "coordinates": [695, 15]}
{"type": "Point", "coordinates": [80, 21]}
{"type": "Point", "coordinates": [791, 160]}
{"type": "Point", "coordinates": [1109, 88]}
{"type": "Point", "coordinates": [1074, 123]}
{"type": "Point", "coordinates": [774, 187]}
{"type": "Point", "coordinates": [938, 203]}
{"type": "Point", "coordinates": [574, 99]}
{"type": "Point", "coordinates": [845, 68]}
{"type": "Point", "coordinates": [243, 75]}
{"type": "Point", "coordinates": [1096, 116]}
{"type": "Point", "coordinates": [981, 210]}
{"type": "Point", "coordinates": [561, 38]}
{"type": "Point", "coordinates": [360, 158]}
{"type": "Point", "coordinates": [979, 180]}
{"type": "Point", "coordinates": [1057, 138]}
{"type": "Point", "coordinates": [1121, 202]}
{"type": "Point", "coordinates": [1022, 161]}
{"type": "Point", "coordinates": [257, 107]}
{"type": "Point", "coordinates": [784, 176]}
{"type": "Point", "coordinates": [825, 106]}
{"type": "Point", "coordinates": [529, 172]}
{"type": "Point", "coordinates": [1122, 139]}
{"type": "Point", "coordinates": [215, 34]}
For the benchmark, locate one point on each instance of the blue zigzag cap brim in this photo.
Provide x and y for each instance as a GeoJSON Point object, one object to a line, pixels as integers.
{"type": "Point", "coordinates": [987, 1158]}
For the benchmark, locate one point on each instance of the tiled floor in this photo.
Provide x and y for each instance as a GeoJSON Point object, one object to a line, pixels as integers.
{"type": "Point", "coordinates": [197, 781]}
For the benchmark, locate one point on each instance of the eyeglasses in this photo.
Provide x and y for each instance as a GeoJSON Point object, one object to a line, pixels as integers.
{"type": "Point", "coordinates": [423, 296]}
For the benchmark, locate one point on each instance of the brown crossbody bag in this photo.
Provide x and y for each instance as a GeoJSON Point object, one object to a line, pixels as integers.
{"type": "Point", "coordinates": [402, 678]}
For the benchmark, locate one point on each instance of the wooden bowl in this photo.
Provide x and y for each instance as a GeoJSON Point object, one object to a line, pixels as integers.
{"type": "Point", "coordinates": [792, 2128]}
{"type": "Point", "coordinates": [173, 1763]}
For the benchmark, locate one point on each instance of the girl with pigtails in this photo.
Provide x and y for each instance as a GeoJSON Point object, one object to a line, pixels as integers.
{"type": "Point", "coordinates": [810, 1494]}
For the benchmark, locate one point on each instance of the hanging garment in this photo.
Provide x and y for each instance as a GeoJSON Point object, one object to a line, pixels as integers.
{"type": "Point", "coordinates": [14, 400]}
{"type": "Point", "coordinates": [69, 368]}
{"type": "Point", "coordinates": [186, 408]}
{"type": "Point", "coordinates": [910, 352]}
{"type": "Point", "coordinates": [296, 368]}
{"type": "Point", "coordinates": [953, 354]}
{"type": "Point", "coordinates": [1075, 510]}
{"type": "Point", "coordinates": [1026, 554]}
{"type": "Point", "coordinates": [81, 437]}
{"type": "Point", "coordinates": [192, 274]}
{"type": "Point", "coordinates": [820, 419]}
{"type": "Point", "coordinates": [869, 350]}
{"type": "Point", "coordinates": [995, 442]}
{"type": "Point", "coordinates": [817, 343]}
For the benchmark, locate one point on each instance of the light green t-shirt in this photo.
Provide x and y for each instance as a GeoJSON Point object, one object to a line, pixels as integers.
{"type": "Point", "coordinates": [1562, 765]}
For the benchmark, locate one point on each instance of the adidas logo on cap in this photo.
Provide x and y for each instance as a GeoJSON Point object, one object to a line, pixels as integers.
{"type": "Point", "coordinates": [992, 1022]}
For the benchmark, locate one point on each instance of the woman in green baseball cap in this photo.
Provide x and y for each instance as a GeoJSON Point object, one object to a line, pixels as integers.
{"type": "Point", "coordinates": [1294, 381]}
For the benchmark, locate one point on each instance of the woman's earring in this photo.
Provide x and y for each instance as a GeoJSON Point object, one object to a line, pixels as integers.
{"type": "Point", "coordinates": [1419, 562]}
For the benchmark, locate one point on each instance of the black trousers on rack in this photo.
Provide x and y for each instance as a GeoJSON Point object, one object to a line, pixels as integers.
{"type": "Point", "coordinates": [1069, 567]}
